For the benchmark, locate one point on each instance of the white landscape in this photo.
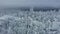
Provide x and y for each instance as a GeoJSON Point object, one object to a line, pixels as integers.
{"type": "Point", "coordinates": [29, 16]}
{"type": "Point", "coordinates": [29, 22]}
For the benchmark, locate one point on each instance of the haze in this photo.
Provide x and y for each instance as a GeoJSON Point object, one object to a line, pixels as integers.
{"type": "Point", "coordinates": [15, 3]}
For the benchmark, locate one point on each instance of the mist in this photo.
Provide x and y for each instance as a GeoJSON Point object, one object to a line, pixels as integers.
{"type": "Point", "coordinates": [18, 3]}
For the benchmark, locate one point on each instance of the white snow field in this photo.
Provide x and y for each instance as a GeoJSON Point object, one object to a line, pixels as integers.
{"type": "Point", "coordinates": [29, 22]}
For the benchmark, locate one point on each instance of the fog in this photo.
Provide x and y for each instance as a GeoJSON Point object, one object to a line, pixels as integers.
{"type": "Point", "coordinates": [15, 3]}
{"type": "Point", "coordinates": [38, 17]}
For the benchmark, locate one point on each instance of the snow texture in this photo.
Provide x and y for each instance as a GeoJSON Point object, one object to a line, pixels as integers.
{"type": "Point", "coordinates": [29, 22]}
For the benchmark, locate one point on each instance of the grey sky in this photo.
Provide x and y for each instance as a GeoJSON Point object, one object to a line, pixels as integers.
{"type": "Point", "coordinates": [29, 2]}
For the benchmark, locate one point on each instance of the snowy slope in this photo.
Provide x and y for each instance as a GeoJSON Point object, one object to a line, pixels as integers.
{"type": "Point", "coordinates": [29, 22]}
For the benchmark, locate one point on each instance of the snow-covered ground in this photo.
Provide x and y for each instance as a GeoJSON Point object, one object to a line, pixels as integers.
{"type": "Point", "coordinates": [29, 22]}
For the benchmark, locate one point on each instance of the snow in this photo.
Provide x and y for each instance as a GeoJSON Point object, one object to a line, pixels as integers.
{"type": "Point", "coordinates": [29, 22]}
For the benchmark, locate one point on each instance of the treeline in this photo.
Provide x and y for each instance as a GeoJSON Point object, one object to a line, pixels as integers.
{"type": "Point", "coordinates": [44, 9]}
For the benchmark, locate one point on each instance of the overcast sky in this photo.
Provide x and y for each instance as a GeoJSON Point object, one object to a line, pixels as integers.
{"type": "Point", "coordinates": [29, 2]}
